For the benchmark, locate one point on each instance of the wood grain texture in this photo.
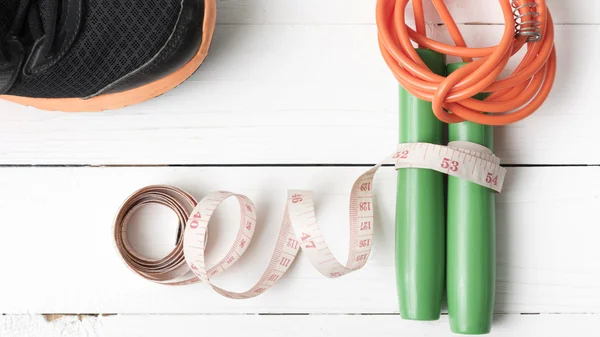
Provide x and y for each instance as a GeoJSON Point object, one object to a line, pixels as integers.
{"type": "Point", "coordinates": [292, 82]}
{"type": "Point", "coordinates": [264, 97]}
{"type": "Point", "coordinates": [363, 11]}
{"type": "Point", "coordinates": [57, 237]}
{"type": "Point", "coordinates": [276, 326]}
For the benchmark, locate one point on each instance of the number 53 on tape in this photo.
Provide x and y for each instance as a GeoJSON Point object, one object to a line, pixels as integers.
{"type": "Point", "coordinates": [299, 229]}
{"type": "Point", "coordinates": [464, 160]}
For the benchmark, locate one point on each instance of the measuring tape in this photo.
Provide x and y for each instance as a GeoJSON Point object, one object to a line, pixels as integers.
{"type": "Point", "coordinates": [186, 263]}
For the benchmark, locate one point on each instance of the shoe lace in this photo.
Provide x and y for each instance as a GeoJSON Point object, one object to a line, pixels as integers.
{"type": "Point", "coordinates": [41, 18]}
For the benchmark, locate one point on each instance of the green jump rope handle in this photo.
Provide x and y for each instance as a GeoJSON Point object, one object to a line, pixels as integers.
{"type": "Point", "coordinates": [471, 264]}
{"type": "Point", "coordinates": [420, 223]}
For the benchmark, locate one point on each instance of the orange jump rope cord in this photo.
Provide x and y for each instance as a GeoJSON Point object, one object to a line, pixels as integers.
{"type": "Point", "coordinates": [512, 99]}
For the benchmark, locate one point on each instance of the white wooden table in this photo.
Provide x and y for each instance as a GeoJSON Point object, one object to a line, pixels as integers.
{"type": "Point", "coordinates": [278, 69]}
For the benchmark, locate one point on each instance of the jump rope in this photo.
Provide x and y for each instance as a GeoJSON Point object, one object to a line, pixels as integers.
{"type": "Point", "coordinates": [439, 244]}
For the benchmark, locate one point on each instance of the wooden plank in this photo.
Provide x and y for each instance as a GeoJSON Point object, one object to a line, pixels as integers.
{"type": "Point", "coordinates": [363, 11]}
{"type": "Point", "coordinates": [59, 257]}
{"type": "Point", "coordinates": [276, 326]}
{"type": "Point", "coordinates": [262, 97]}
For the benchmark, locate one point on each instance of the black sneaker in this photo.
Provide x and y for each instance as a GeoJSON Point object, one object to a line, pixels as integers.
{"type": "Point", "coordinates": [94, 55]}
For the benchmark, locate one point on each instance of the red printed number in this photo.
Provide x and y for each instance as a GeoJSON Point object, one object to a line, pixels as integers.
{"type": "Point", "coordinates": [194, 224]}
{"type": "Point", "coordinates": [361, 257]}
{"type": "Point", "coordinates": [285, 261]}
{"type": "Point", "coordinates": [364, 243]}
{"type": "Point", "coordinates": [248, 225]}
{"type": "Point", "coordinates": [365, 225]}
{"type": "Point", "coordinates": [296, 198]}
{"type": "Point", "coordinates": [249, 208]}
{"type": "Point", "coordinates": [365, 206]}
{"type": "Point", "coordinates": [450, 165]}
{"type": "Point", "coordinates": [401, 155]}
{"type": "Point", "coordinates": [310, 245]}
{"type": "Point", "coordinates": [292, 243]}
{"type": "Point", "coordinates": [273, 277]}
{"type": "Point", "coordinates": [305, 237]}
{"type": "Point", "coordinates": [490, 179]}
{"type": "Point", "coordinates": [365, 187]}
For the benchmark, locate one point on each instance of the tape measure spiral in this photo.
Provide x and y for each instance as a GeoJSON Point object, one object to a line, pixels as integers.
{"type": "Point", "coordinates": [186, 264]}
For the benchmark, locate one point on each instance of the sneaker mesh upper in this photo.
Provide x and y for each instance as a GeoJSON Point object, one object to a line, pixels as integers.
{"type": "Point", "coordinates": [116, 38]}
{"type": "Point", "coordinates": [8, 10]}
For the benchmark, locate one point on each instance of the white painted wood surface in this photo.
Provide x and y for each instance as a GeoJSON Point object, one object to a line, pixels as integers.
{"type": "Point", "coordinates": [261, 89]}
{"type": "Point", "coordinates": [276, 326]}
{"type": "Point", "coordinates": [363, 11]}
{"type": "Point", "coordinates": [279, 70]}
{"type": "Point", "coordinates": [59, 225]}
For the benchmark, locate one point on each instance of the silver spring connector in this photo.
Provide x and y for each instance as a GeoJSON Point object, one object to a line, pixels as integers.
{"type": "Point", "coordinates": [530, 28]}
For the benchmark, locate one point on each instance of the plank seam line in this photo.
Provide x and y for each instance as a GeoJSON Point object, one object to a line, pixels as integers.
{"type": "Point", "coordinates": [293, 24]}
{"type": "Point", "coordinates": [293, 314]}
{"type": "Point", "coordinates": [249, 165]}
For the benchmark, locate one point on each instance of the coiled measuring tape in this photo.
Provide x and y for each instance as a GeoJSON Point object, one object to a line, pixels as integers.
{"type": "Point", "coordinates": [186, 263]}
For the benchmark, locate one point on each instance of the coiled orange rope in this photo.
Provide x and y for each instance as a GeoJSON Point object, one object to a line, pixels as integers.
{"type": "Point", "coordinates": [512, 98]}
